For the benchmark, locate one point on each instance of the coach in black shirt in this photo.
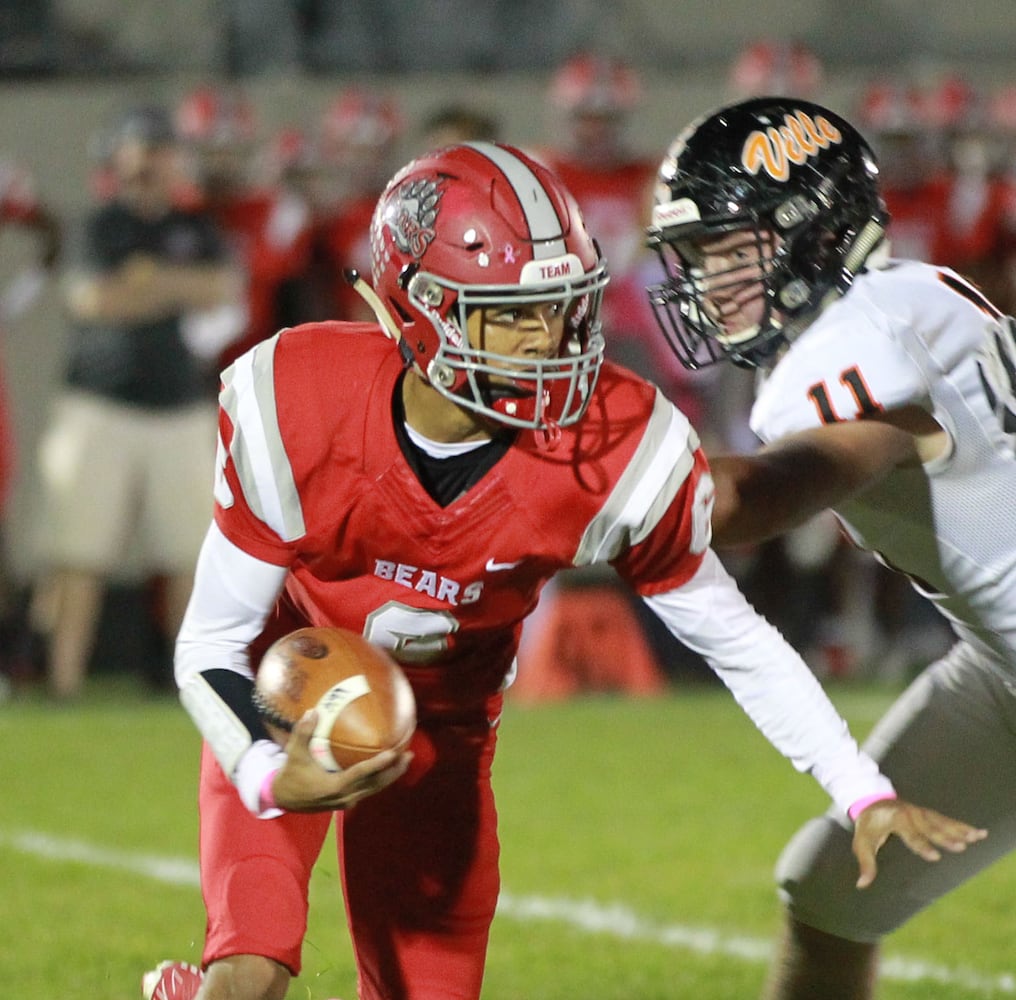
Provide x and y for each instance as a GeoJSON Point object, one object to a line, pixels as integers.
{"type": "Point", "coordinates": [127, 459]}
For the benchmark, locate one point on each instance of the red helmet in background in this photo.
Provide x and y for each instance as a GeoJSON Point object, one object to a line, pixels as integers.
{"type": "Point", "coordinates": [19, 199]}
{"type": "Point", "coordinates": [594, 84]}
{"type": "Point", "coordinates": [216, 116]}
{"type": "Point", "coordinates": [777, 69]}
{"type": "Point", "coordinates": [360, 118]}
{"type": "Point", "coordinates": [483, 225]}
{"type": "Point", "coordinates": [950, 103]}
{"type": "Point", "coordinates": [289, 152]}
{"type": "Point", "coordinates": [1001, 109]}
{"type": "Point", "coordinates": [353, 146]}
{"type": "Point", "coordinates": [890, 106]}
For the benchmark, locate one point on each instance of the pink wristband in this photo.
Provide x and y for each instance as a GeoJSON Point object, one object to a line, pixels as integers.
{"type": "Point", "coordinates": [265, 796]}
{"type": "Point", "coordinates": [861, 804]}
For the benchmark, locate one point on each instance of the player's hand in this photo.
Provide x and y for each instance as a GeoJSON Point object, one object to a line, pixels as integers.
{"type": "Point", "coordinates": [926, 832]}
{"type": "Point", "coordinates": [303, 785]}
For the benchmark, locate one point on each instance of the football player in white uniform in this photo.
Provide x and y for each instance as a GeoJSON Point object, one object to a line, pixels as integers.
{"type": "Point", "coordinates": [886, 392]}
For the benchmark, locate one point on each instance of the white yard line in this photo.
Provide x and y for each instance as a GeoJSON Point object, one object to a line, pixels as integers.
{"type": "Point", "coordinates": [614, 920]}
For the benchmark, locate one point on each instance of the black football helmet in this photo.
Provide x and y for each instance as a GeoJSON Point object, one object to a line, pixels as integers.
{"type": "Point", "coordinates": [768, 165]}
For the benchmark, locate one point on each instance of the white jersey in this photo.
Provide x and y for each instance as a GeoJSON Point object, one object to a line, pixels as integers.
{"type": "Point", "coordinates": [909, 333]}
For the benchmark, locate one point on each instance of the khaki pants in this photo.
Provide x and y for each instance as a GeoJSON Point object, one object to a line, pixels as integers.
{"type": "Point", "coordinates": [118, 478]}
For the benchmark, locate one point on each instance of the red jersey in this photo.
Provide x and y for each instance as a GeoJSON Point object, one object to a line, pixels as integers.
{"type": "Point", "coordinates": [342, 240]}
{"type": "Point", "coordinates": [917, 215]}
{"type": "Point", "coordinates": [968, 224]}
{"type": "Point", "coordinates": [19, 206]}
{"type": "Point", "coordinates": [979, 234]}
{"type": "Point", "coordinates": [269, 233]}
{"type": "Point", "coordinates": [312, 478]}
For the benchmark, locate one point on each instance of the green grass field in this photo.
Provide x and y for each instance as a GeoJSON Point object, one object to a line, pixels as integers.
{"type": "Point", "coordinates": [638, 843]}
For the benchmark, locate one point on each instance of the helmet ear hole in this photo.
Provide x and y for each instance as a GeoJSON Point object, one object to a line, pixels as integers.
{"type": "Point", "coordinates": [406, 274]}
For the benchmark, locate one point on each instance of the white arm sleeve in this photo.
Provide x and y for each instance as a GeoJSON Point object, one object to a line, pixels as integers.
{"type": "Point", "coordinates": [232, 597]}
{"type": "Point", "coordinates": [769, 680]}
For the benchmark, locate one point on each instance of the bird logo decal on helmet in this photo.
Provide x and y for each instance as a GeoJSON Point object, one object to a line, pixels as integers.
{"type": "Point", "coordinates": [413, 223]}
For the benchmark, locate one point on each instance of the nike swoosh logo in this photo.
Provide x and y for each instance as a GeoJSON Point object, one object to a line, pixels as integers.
{"type": "Point", "coordinates": [500, 567]}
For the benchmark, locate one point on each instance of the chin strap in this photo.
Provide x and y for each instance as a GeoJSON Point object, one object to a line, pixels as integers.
{"type": "Point", "coordinates": [384, 317]}
{"type": "Point", "coordinates": [548, 437]}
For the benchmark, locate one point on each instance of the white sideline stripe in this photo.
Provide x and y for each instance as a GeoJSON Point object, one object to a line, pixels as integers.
{"type": "Point", "coordinates": [173, 871]}
{"type": "Point", "coordinates": [586, 915]}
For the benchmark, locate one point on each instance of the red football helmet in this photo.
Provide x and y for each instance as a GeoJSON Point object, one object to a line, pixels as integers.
{"type": "Point", "coordinates": [773, 68]}
{"type": "Point", "coordinates": [212, 116]}
{"type": "Point", "coordinates": [360, 118]}
{"type": "Point", "coordinates": [950, 103]}
{"type": "Point", "coordinates": [482, 224]}
{"type": "Point", "coordinates": [893, 107]}
{"type": "Point", "coordinates": [1002, 109]}
{"type": "Point", "coordinates": [594, 84]}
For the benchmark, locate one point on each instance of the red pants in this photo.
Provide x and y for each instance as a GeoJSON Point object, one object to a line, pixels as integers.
{"type": "Point", "coordinates": [419, 863]}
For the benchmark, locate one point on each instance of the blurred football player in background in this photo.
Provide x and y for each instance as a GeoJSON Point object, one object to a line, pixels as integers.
{"type": "Point", "coordinates": [23, 210]}
{"type": "Point", "coordinates": [914, 182]}
{"type": "Point", "coordinates": [593, 99]}
{"type": "Point", "coordinates": [268, 226]}
{"type": "Point", "coordinates": [1001, 116]}
{"type": "Point", "coordinates": [128, 452]}
{"type": "Point", "coordinates": [353, 144]}
{"type": "Point", "coordinates": [887, 392]}
{"type": "Point", "coordinates": [776, 67]}
{"type": "Point", "coordinates": [978, 230]}
{"type": "Point", "coordinates": [418, 480]}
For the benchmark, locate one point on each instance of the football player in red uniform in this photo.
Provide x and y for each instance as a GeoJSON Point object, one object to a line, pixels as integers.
{"type": "Point", "coordinates": [978, 228]}
{"type": "Point", "coordinates": [353, 147]}
{"type": "Point", "coordinates": [267, 226]}
{"type": "Point", "coordinates": [776, 66]}
{"type": "Point", "coordinates": [21, 206]}
{"type": "Point", "coordinates": [419, 480]}
{"type": "Point", "coordinates": [914, 181]}
{"type": "Point", "coordinates": [594, 98]}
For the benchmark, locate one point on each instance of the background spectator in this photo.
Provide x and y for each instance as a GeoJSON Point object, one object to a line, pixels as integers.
{"type": "Point", "coordinates": [128, 455]}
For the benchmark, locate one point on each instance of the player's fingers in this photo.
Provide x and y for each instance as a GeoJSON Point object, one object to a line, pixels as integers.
{"type": "Point", "coordinates": [370, 776]}
{"type": "Point", "coordinates": [379, 762]}
{"type": "Point", "coordinates": [306, 723]}
{"type": "Point", "coordinates": [919, 844]}
{"type": "Point", "coordinates": [950, 834]}
{"type": "Point", "coordinates": [299, 738]}
{"type": "Point", "coordinates": [865, 852]}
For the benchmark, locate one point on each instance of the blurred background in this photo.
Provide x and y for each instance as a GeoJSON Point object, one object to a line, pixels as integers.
{"type": "Point", "coordinates": [936, 77]}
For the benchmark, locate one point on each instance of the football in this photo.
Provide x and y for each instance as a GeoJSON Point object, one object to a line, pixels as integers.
{"type": "Point", "coordinates": [363, 699]}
